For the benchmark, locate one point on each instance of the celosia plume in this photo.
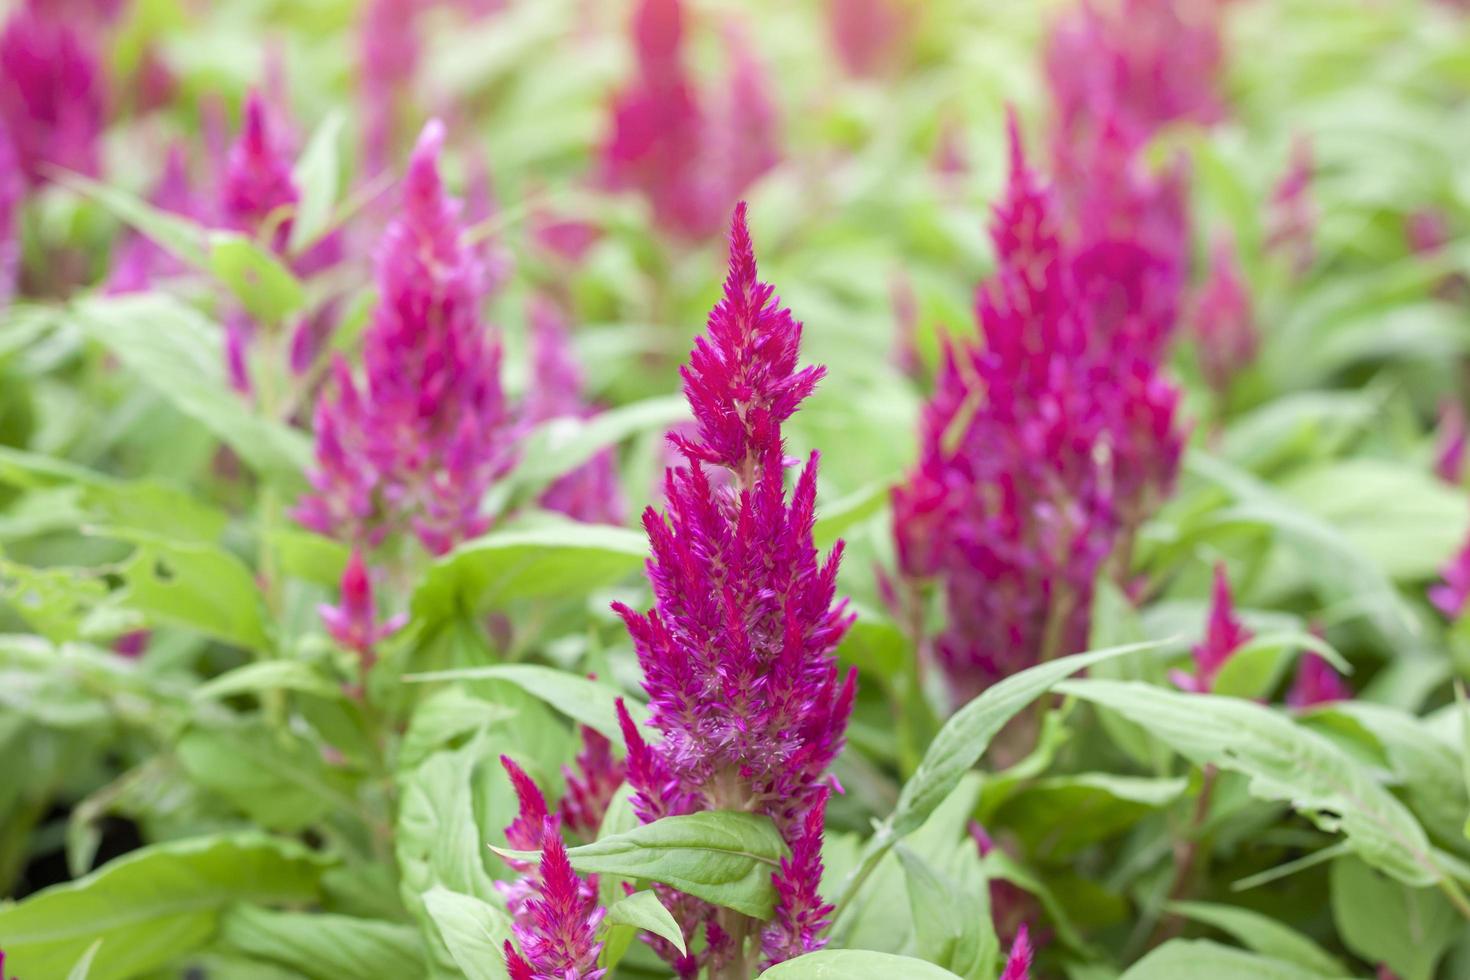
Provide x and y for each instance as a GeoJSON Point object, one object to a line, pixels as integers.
{"type": "Point", "coordinates": [1224, 634]}
{"type": "Point", "coordinates": [1451, 596]}
{"type": "Point", "coordinates": [1224, 325]}
{"type": "Point", "coordinates": [258, 191]}
{"type": "Point", "coordinates": [690, 155]}
{"type": "Point", "coordinates": [53, 102]}
{"type": "Point", "coordinates": [1449, 442]}
{"type": "Point", "coordinates": [591, 782]}
{"type": "Point", "coordinates": [415, 445]}
{"type": "Point", "coordinates": [388, 57]}
{"type": "Point", "coordinates": [1018, 963]}
{"type": "Point", "coordinates": [556, 925]}
{"type": "Point", "coordinates": [12, 194]}
{"type": "Point", "coordinates": [353, 622]}
{"type": "Point", "coordinates": [870, 35]}
{"type": "Point", "coordinates": [1292, 213]}
{"type": "Point", "coordinates": [737, 652]}
{"type": "Point", "coordinates": [1047, 441]}
{"type": "Point", "coordinates": [1316, 682]}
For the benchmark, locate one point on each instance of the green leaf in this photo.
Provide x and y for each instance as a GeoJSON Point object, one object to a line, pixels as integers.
{"type": "Point", "coordinates": [281, 782]}
{"type": "Point", "coordinates": [318, 174]}
{"type": "Point", "coordinates": [1256, 667]}
{"type": "Point", "coordinates": [474, 931]}
{"type": "Point", "coordinates": [855, 964]}
{"type": "Point", "coordinates": [1284, 762]}
{"type": "Point", "coordinates": [310, 556]}
{"type": "Point", "coordinates": [640, 911]}
{"type": "Point", "coordinates": [1059, 816]}
{"type": "Point", "coordinates": [184, 239]}
{"type": "Point", "coordinates": [835, 519]}
{"type": "Point", "coordinates": [1384, 921]}
{"type": "Point", "coordinates": [1198, 959]}
{"type": "Point", "coordinates": [153, 905]}
{"type": "Point", "coordinates": [952, 926]}
{"type": "Point", "coordinates": [83, 969]}
{"type": "Point", "coordinates": [560, 560]}
{"type": "Point", "coordinates": [268, 675]}
{"type": "Point", "coordinates": [444, 716]}
{"type": "Point", "coordinates": [1264, 935]}
{"type": "Point", "coordinates": [721, 856]}
{"type": "Point", "coordinates": [586, 701]}
{"type": "Point", "coordinates": [558, 446]}
{"type": "Point", "coordinates": [438, 840]}
{"type": "Point", "coordinates": [177, 352]}
{"type": "Point", "coordinates": [324, 947]}
{"type": "Point", "coordinates": [260, 281]}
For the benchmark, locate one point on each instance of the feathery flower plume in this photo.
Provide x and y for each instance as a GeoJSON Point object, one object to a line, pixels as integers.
{"type": "Point", "coordinates": [1292, 212]}
{"type": "Point", "coordinates": [1224, 326]}
{"type": "Point", "coordinates": [258, 190]}
{"type": "Point", "coordinates": [53, 102]}
{"type": "Point", "coordinates": [415, 444]}
{"type": "Point", "coordinates": [1449, 442]}
{"type": "Point", "coordinates": [1453, 594]}
{"type": "Point", "coordinates": [1426, 230]}
{"type": "Point", "coordinates": [1018, 963]}
{"type": "Point", "coordinates": [1047, 441]}
{"type": "Point", "coordinates": [1224, 634]}
{"type": "Point", "coordinates": [12, 194]}
{"type": "Point", "coordinates": [737, 654]}
{"type": "Point", "coordinates": [689, 155]}
{"type": "Point", "coordinates": [869, 35]}
{"type": "Point", "coordinates": [1317, 682]}
{"type": "Point", "coordinates": [353, 623]}
{"type": "Point", "coordinates": [589, 493]}
{"type": "Point", "coordinates": [591, 782]}
{"type": "Point", "coordinates": [556, 925]}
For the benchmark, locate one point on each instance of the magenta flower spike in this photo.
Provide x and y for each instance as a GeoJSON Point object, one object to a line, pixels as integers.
{"type": "Point", "coordinates": [12, 195]}
{"type": "Point", "coordinates": [1047, 441]}
{"type": "Point", "coordinates": [1451, 596]}
{"type": "Point", "coordinates": [1449, 443]}
{"type": "Point", "coordinates": [556, 927]}
{"type": "Point", "coordinates": [1316, 682]}
{"type": "Point", "coordinates": [140, 261]}
{"type": "Point", "coordinates": [869, 36]}
{"type": "Point", "coordinates": [389, 55]}
{"type": "Point", "coordinates": [258, 190]}
{"type": "Point", "coordinates": [1224, 325]}
{"type": "Point", "coordinates": [1427, 230]}
{"type": "Point", "coordinates": [53, 102]}
{"type": "Point", "coordinates": [590, 493]}
{"type": "Point", "coordinates": [353, 622]}
{"type": "Point", "coordinates": [1292, 213]}
{"type": "Point", "coordinates": [1018, 963]}
{"type": "Point", "coordinates": [737, 653]}
{"type": "Point", "coordinates": [1224, 634]}
{"type": "Point", "coordinates": [591, 782]}
{"type": "Point", "coordinates": [415, 445]}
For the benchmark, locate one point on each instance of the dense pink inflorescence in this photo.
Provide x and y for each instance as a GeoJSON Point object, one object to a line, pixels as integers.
{"type": "Point", "coordinates": [53, 101]}
{"type": "Point", "coordinates": [1316, 682]}
{"type": "Point", "coordinates": [416, 444]}
{"type": "Point", "coordinates": [1224, 634]}
{"type": "Point", "coordinates": [1451, 596]}
{"type": "Point", "coordinates": [1224, 325]}
{"type": "Point", "coordinates": [869, 35]}
{"type": "Point", "coordinates": [737, 653]}
{"type": "Point", "coordinates": [591, 782]}
{"type": "Point", "coordinates": [1048, 439]}
{"type": "Point", "coordinates": [1018, 963]}
{"type": "Point", "coordinates": [353, 622]}
{"type": "Point", "coordinates": [591, 492]}
{"type": "Point", "coordinates": [555, 924]}
{"type": "Point", "coordinates": [12, 192]}
{"type": "Point", "coordinates": [1449, 442]}
{"type": "Point", "coordinates": [1292, 214]}
{"type": "Point", "coordinates": [258, 190]}
{"type": "Point", "coordinates": [689, 154]}
{"type": "Point", "coordinates": [389, 55]}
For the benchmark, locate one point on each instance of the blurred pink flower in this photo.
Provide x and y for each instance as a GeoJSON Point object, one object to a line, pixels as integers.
{"type": "Point", "coordinates": [1292, 213]}
{"type": "Point", "coordinates": [1224, 635]}
{"type": "Point", "coordinates": [353, 622]}
{"type": "Point", "coordinates": [591, 783]}
{"type": "Point", "coordinates": [139, 261]}
{"type": "Point", "coordinates": [12, 196]}
{"type": "Point", "coordinates": [870, 36]}
{"type": "Point", "coordinates": [53, 102]}
{"type": "Point", "coordinates": [1317, 682]}
{"type": "Point", "coordinates": [1451, 595]}
{"type": "Point", "coordinates": [1224, 324]}
{"type": "Point", "coordinates": [1018, 963]}
{"type": "Point", "coordinates": [1449, 442]}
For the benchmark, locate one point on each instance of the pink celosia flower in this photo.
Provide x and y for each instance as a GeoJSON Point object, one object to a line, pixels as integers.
{"type": "Point", "coordinates": [353, 623]}
{"type": "Point", "coordinates": [591, 783]}
{"type": "Point", "coordinates": [1011, 906]}
{"type": "Point", "coordinates": [1427, 230]}
{"type": "Point", "coordinates": [1292, 213]}
{"type": "Point", "coordinates": [389, 55]}
{"type": "Point", "coordinates": [93, 13]}
{"type": "Point", "coordinates": [53, 102]}
{"type": "Point", "coordinates": [737, 653]}
{"type": "Point", "coordinates": [801, 913]}
{"type": "Point", "coordinates": [257, 191]}
{"type": "Point", "coordinates": [12, 193]}
{"type": "Point", "coordinates": [869, 35]}
{"type": "Point", "coordinates": [556, 926]}
{"type": "Point", "coordinates": [140, 260]}
{"type": "Point", "coordinates": [1224, 634]}
{"type": "Point", "coordinates": [589, 493]}
{"type": "Point", "coordinates": [1317, 682]}
{"type": "Point", "coordinates": [1046, 442]}
{"type": "Point", "coordinates": [419, 441]}
{"type": "Point", "coordinates": [691, 157]}
{"type": "Point", "coordinates": [132, 644]}
{"type": "Point", "coordinates": [1449, 442]}
{"type": "Point", "coordinates": [1451, 596]}
{"type": "Point", "coordinates": [1018, 963]}
{"type": "Point", "coordinates": [1223, 322]}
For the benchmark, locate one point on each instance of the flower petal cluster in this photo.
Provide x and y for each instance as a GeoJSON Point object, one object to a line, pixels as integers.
{"type": "Point", "coordinates": [689, 153]}
{"type": "Point", "coordinates": [53, 101]}
{"type": "Point", "coordinates": [418, 441]}
{"type": "Point", "coordinates": [737, 652]}
{"type": "Point", "coordinates": [870, 35]}
{"type": "Point", "coordinates": [556, 926]}
{"type": "Point", "coordinates": [590, 493]}
{"type": "Point", "coordinates": [353, 622]}
{"type": "Point", "coordinates": [1018, 963]}
{"type": "Point", "coordinates": [12, 194]}
{"type": "Point", "coordinates": [1224, 634]}
{"type": "Point", "coordinates": [1224, 324]}
{"type": "Point", "coordinates": [1048, 439]}
{"type": "Point", "coordinates": [1449, 443]}
{"type": "Point", "coordinates": [592, 780]}
{"type": "Point", "coordinates": [1317, 682]}
{"type": "Point", "coordinates": [1453, 594]}
{"type": "Point", "coordinates": [1292, 212]}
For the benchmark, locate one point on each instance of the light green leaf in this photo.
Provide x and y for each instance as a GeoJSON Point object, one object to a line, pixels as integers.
{"type": "Point", "coordinates": [952, 926]}
{"type": "Point", "coordinates": [721, 856]}
{"type": "Point", "coordinates": [260, 281]}
{"type": "Point", "coordinates": [1061, 815]}
{"type": "Point", "coordinates": [1198, 959]}
{"type": "Point", "coordinates": [834, 519]}
{"type": "Point", "coordinates": [1255, 668]}
{"type": "Point", "coordinates": [268, 675]}
{"type": "Point", "coordinates": [317, 174]}
{"type": "Point", "coordinates": [637, 912]}
{"type": "Point", "coordinates": [474, 931]}
{"type": "Point", "coordinates": [439, 841]}
{"type": "Point", "coordinates": [83, 969]}
{"type": "Point", "coordinates": [184, 239]}
{"type": "Point", "coordinates": [176, 351]}
{"type": "Point", "coordinates": [281, 783]}
{"type": "Point", "coordinates": [1284, 762]}
{"type": "Point", "coordinates": [855, 964]}
{"type": "Point", "coordinates": [153, 905]}
{"type": "Point", "coordinates": [1384, 921]}
{"type": "Point", "coordinates": [324, 947]}
{"type": "Point", "coordinates": [586, 701]}
{"type": "Point", "coordinates": [558, 446]}
{"type": "Point", "coordinates": [1264, 935]}
{"type": "Point", "coordinates": [560, 560]}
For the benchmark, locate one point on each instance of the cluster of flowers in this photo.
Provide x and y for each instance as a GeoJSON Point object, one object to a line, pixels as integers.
{"type": "Point", "coordinates": [690, 153]}
{"type": "Point", "coordinates": [1048, 440]}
